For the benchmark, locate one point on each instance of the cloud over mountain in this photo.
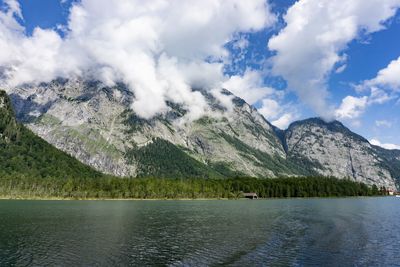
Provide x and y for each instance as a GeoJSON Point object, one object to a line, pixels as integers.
{"type": "Point", "coordinates": [160, 48]}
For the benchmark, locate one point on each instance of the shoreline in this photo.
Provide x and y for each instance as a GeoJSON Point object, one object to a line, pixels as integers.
{"type": "Point", "coordinates": [167, 199]}
{"type": "Point", "coordinates": [108, 199]}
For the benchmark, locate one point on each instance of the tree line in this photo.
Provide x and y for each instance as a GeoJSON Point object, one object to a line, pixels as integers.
{"type": "Point", "coordinates": [155, 188]}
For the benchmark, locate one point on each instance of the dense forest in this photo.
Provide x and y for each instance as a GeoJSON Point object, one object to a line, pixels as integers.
{"type": "Point", "coordinates": [156, 188]}
{"type": "Point", "coordinates": [32, 168]}
{"type": "Point", "coordinates": [163, 159]}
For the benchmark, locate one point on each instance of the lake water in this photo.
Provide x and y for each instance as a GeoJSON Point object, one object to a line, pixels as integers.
{"type": "Point", "coordinates": [287, 232]}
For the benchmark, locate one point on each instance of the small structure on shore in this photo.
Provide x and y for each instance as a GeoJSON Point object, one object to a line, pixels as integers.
{"type": "Point", "coordinates": [250, 195]}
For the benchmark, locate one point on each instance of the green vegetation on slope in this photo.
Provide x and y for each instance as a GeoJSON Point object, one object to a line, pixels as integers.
{"type": "Point", "coordinates": [163, 159]}
{"type": "Point", "coordinates": [24, 153]}
{"type": "Point", "coordinates": [150, 188]}
{"type": "Point", "coordinates": [30, 167]}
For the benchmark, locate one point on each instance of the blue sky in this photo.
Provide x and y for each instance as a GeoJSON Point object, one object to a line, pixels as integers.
{"type": "Point", "coordinates": [346, 86]}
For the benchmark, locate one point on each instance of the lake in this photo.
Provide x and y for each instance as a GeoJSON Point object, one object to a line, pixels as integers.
{"type": "Point", "coordinates": [283, 232]}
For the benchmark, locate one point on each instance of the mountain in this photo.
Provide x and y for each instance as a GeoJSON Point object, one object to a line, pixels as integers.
{"type": "Point", "coordinates": [94, 123]}
{"type": "Point", "coordinates": [391, 161]}
{"type": "Point", "coordinates": [23, 153]}
{"type": "Point", "coordinates": [336, 151]}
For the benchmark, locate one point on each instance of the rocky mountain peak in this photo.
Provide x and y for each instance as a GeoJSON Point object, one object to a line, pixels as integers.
{"type": "Point", "coordinates": [337, 151]}
{"type": "Point", "coordinates": [94, 123]}
{"type": "Point", "coordinates": [333, 125]}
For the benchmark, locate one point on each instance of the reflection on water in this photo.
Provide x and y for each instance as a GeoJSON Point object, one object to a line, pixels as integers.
{"type": "Point", "coordinates": [293, 232]}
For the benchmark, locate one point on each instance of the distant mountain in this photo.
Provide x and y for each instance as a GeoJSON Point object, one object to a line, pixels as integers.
{"type": "Point", "coordinates": [94, 123]}
{"type": "Point", "coordinates": [335, 150]}
{"type": "Point", "coordinates": [24, 153]}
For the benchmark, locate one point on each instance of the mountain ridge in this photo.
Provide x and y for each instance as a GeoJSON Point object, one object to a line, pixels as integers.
{"type": "Point", "coordinates": [94, 123]}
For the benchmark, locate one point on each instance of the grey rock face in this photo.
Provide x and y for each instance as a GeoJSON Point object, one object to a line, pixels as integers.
{"type": "Point", "coordinates": [95, 124]}
{"type": "Point", "coordinates": [337, 152]}
{"type": "Point", "coordinates": [78, 118]}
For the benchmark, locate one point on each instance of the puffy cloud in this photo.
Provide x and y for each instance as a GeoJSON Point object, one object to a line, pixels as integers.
{"type": "Point", "coordinates": [160, 49]}
{"type": "Point", "coordinates": [249, 86]}
{"type": "Point", "coordinates": [385, 86]}
{"type": "Point", "coordinates": [388, 77]}
{"type": "Point", "coordinates": [284, 121]}
{"type": "Point", "coordinates": [376, 142]}
{"type": "Point", "coordinates": [270, 108]}
{"type": "Point", "coordinates": [311, 44]}
{"type": "Point", "coordinates": [351, 107]}
{"type": "Point", "coordinates": [379, 90]}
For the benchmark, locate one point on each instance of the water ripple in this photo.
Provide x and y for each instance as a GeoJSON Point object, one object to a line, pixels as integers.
{"type": "Point", "coordinates": [295, 232]}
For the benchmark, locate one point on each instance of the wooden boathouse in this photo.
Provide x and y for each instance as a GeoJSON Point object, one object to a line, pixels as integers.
{"type": "Point", "coordinates": [250, 195]}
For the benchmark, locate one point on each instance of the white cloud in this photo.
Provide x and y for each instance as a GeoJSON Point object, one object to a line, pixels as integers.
{"type": "Point", "coordinates": [384, 123]}
{"type": "Point", "coordinates": [312, 43]}
{"type": "Point", "coordinates": [385, 86]}
{"type": "Point", "coordinates": [388, 77]}
{"type": "Point", "coordinates": [159, 48]}
{"type": "Point", "coordinates": [270, 109]}
{"type": "Point", "coordinates": [376, 142]}
{"type": "Point", "coordinates": [351, 107]}
{"type": "Point", "coordinates": [249, 86]}
{"type": "Point", "coordinates": [284, 121]}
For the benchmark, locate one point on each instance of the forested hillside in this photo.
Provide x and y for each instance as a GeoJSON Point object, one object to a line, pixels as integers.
{"type": "Point", "coordinates": [94, 123]}
{"type": "Point", "coordinates": [32, 168]}
{"type": "Point", "coordinates": [23, 153]}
